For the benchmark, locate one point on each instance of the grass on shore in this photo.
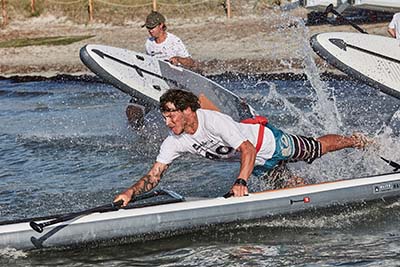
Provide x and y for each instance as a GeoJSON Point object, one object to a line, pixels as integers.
{"type": "Point", "coordinates": [55, 40]}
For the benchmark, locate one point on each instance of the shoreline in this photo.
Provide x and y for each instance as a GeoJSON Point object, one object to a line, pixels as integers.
{"type": "Point", "coordinates": [276, 42]}
{"type": "Point", "coordinates": [89, 77]}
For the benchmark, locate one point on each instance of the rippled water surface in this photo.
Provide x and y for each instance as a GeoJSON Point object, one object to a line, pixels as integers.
{"type": "Point", "coordinates": [66, 146]}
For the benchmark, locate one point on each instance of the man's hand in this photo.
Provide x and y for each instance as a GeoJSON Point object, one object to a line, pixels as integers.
{"type": "Point", "coordinates": [239, 190]}
{"type": "Point", "coordinates": [126, 196]}
{"type": "Point", "coordinates": [174, 61]}
{"type": "Point", "coordinates": [187, 62]}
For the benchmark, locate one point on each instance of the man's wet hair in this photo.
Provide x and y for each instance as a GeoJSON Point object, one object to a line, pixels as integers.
{"type": "Point", "coordinates": [180, 98]}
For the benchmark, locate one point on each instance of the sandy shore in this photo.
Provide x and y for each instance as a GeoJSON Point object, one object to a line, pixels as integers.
{"type": "Point", "coordinates": [275, 42]}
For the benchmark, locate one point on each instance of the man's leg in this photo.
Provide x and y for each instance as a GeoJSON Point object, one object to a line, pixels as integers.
{"type": "Point", "coordinates": [333, 142]}
{"type": "Point", "coordinates": [281, 177]}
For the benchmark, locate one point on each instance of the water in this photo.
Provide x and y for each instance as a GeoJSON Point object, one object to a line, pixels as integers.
{"type": "Point", "coordinates": [66, 146]}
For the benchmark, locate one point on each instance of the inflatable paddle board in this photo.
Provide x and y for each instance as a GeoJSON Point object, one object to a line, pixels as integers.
{"type": "Point", "coordinates": [372, 59]}
{"type": "Point", "coordinates": [146, 79]}
{"type": "Point", "coordinates": [176, 215]}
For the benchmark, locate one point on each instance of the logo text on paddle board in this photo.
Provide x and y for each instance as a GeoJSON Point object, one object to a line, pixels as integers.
{"type": "Point", "coordinates": [381, 188]}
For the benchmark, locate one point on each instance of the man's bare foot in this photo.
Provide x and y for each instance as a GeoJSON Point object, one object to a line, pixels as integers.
{"type": "Point", "coordinates": [360, 140]}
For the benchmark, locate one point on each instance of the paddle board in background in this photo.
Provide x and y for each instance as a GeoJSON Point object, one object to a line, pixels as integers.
{"type": "Point", "coordinates": [146, 79]}
{"type": "Point", "coordinates": [372, 59]}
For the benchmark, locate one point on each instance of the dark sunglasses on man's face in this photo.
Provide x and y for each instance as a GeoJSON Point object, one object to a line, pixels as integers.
{"type": "Point", "coordinates": [150, 28]}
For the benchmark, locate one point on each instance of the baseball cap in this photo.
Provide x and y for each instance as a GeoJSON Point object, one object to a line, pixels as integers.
{"type": "Point", "coordinates": [153, 19]}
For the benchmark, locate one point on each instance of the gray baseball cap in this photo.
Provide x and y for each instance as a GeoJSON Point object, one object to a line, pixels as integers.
{"type": "Point", "coordinates": [153, 19]}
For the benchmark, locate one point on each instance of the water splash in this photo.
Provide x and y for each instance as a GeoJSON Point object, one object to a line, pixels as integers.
{"type": "Point", "coordinates": [324, 108]}
{"type": "Point", "coordinates": [12, 253]}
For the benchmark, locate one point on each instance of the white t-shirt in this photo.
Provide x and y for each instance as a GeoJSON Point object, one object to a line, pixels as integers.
{"type": "Point", "coordinates": [171, 47]}
{"type": "Point", "coordinates": [395, 24]}
{"type": "Point", "coordinates": [217, 137]}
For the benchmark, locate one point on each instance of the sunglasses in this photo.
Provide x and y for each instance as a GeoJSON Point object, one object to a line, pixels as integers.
{"type": "Point", "coordinates": [150, 28]}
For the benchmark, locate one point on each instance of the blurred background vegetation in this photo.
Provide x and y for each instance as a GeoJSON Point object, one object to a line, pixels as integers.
{"type": "Point", "coordinates": [122, 11]}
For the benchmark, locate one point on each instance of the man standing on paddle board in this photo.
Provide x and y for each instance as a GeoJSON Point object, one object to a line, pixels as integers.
{"type": "Point", "coordinates": [164, 45]}
{"type": "Point", "coordinates": [394, 26]}
{"type": "Point", "coordinates": [214, 135]}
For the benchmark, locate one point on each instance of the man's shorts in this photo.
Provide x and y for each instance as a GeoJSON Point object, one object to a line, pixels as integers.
{"type": "Point", "coordinates": [290, 148]}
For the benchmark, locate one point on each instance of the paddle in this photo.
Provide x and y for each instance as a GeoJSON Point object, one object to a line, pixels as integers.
{"type": "Point", "coordinates": [38, 227]}
{"type": "Point", "coordinates": [329, 9]}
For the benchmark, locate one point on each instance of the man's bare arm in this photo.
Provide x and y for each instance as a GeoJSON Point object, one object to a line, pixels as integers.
{"type": "Point", "coordinates": [145, 184]}
{"type": "Point", "coordinates": [247, 160]}
{"type": "Point", "coordinates": [187, 62]}
{"type": "Point", "coordinates": [392, 32]}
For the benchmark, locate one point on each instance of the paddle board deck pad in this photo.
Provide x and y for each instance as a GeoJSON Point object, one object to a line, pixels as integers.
{"type": "Point", "coordinates": [185, 215]}
{"type": "Point", "coordinates": [372, 59]}
{"type": "Point", "coordinates": [146, 79]}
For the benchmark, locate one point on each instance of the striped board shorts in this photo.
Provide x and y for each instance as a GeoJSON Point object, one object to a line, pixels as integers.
{"type": "Point", "coordinates": [289, 148]}
{"type": "Point", "coordinates": [305, 148]}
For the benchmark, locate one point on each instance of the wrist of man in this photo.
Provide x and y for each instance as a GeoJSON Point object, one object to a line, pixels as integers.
{"type": "Point", "coordinates": [129, 192]}
{"type": "Point", "coordinates": [241, 181]}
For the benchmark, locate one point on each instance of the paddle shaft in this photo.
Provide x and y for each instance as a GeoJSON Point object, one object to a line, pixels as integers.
{"type": "Point", "coordinates": [38, 227]}
{"type": "Point", "coordinates": [330, 9]}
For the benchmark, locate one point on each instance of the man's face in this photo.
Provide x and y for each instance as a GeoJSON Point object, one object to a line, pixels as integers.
{"type": "Point", "coordinates": [174, 119]}
{"type": "Point", "coordinates": [156, 31]}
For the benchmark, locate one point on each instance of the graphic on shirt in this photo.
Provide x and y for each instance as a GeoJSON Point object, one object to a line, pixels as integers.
{"type": "Point", "coordinates": [212, 149]}
{"type": "Point", "coordinates": [172, 46]}
{"type": "Point", "coordinates": [154, 53]}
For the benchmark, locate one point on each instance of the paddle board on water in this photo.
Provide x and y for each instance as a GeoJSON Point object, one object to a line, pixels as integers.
{"type": "Point", "coordinates": [372, 59]}
{"type": "Point", "coordinates": [146, 79]}
{"type": "Point", "coordinates": [175, 215]}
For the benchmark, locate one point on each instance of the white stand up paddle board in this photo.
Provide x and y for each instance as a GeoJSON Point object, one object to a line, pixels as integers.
{"type": "Point", "coordinates": [369, 58]}
{"type": "Point", "coordinates": [146, 78]}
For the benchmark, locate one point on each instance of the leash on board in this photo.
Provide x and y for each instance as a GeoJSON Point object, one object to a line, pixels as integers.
{"type": "Point", "coordinates": [395, 165]}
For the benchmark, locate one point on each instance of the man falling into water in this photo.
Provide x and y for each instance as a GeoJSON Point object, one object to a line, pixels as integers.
{"type": "Point", "coordinates": [215, 135]}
